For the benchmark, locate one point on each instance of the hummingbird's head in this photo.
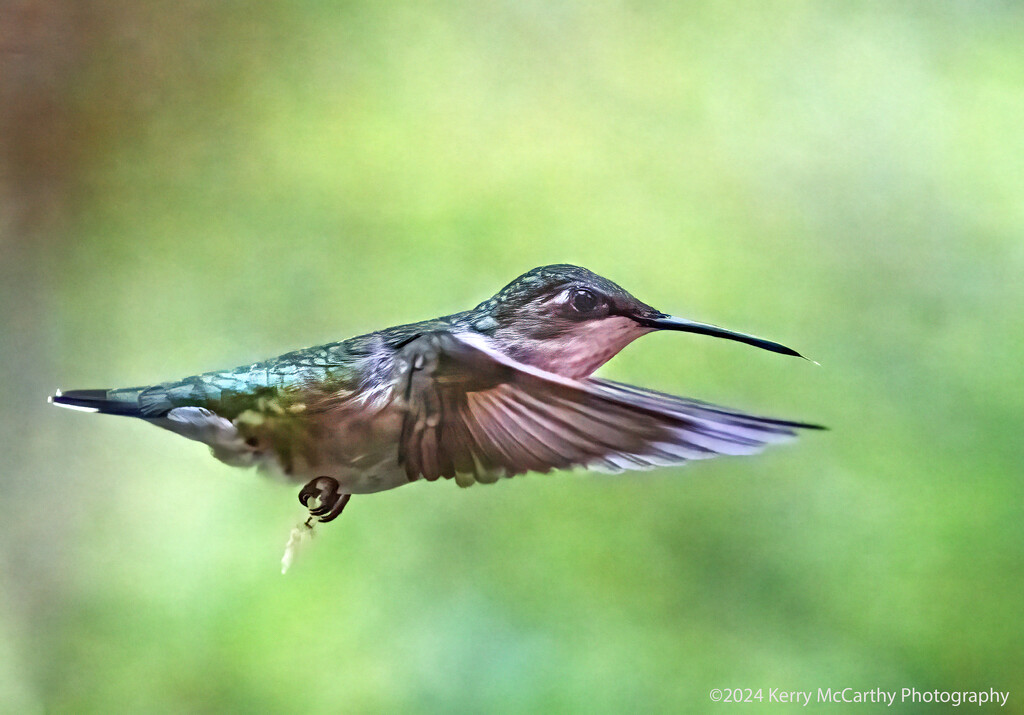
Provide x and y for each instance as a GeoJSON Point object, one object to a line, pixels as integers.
{"type": "Point", "coordinates": [570, 321]}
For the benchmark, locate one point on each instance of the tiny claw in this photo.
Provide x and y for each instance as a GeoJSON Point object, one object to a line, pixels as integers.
{"type": "Point", "coordinates": [322, 508]}
{"type": "Point", "coordinates": [321, 488]}
{"type": "Point", "coordinates": [329, 502]}
{"type": "Point", "coordinates": [336, 508]}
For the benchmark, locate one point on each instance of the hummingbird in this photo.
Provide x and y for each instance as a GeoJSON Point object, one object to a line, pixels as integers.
{"type": "Point", "coordinates": [497, 391]}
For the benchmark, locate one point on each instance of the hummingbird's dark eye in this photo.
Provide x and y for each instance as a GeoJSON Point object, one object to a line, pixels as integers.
{"type": "Point", "coordinates": [584, 301]}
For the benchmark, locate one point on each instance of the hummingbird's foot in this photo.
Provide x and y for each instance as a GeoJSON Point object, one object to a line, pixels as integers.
{"type": "Point", "coordinates": [329, 503]}
{"type": "Point", "coordinates": [324, 502]}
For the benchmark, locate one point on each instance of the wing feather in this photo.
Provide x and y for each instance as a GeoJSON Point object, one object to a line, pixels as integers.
{"type": "Point", "coordinates": [476, 415]}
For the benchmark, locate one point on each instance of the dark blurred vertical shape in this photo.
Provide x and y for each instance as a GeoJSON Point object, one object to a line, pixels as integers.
{"type": "Point", "coordinates": [76, 81]}
{"type": "Point", "coordinates": [39, 51]}
{"type": "Point", "coordinates": [44, 47]}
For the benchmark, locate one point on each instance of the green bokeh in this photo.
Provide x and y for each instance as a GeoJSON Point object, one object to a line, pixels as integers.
{"type": "Point", "coordinates": [207, 184]}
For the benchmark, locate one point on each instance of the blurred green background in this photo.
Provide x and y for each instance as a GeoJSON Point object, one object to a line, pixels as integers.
{"type": "Point", "coordinates": [189, 185]}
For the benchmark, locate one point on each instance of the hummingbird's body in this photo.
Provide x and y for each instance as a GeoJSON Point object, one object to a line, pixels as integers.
{"type": "Point", "coordinates": [495, 391]}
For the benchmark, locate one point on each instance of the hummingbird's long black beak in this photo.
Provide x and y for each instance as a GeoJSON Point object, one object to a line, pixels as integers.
{"type": "Point", "coordinates": [668, 322]}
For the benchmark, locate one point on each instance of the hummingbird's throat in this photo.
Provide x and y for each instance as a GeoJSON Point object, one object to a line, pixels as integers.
{"type": "Point", "coordinates": [579, 352]}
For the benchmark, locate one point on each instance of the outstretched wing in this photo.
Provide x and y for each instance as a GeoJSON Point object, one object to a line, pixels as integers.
{"type": "Point", "coordinates": [475, 415]}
